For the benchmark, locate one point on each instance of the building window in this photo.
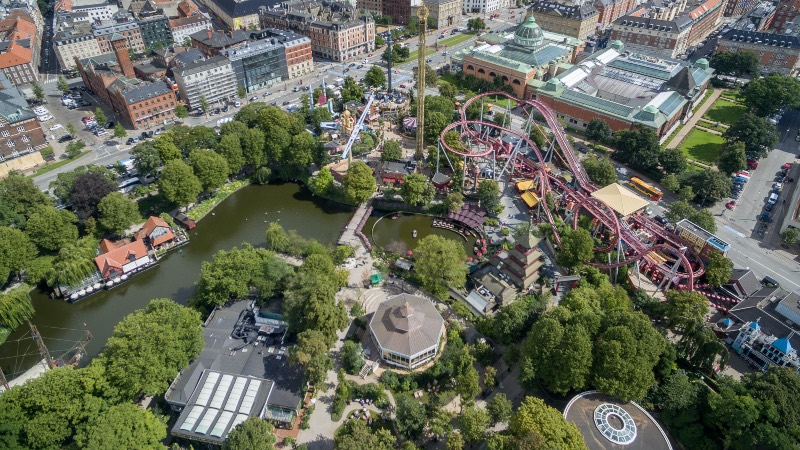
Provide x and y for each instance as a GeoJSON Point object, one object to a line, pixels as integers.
{"type": "Point", "coordinates": [25, 139]}
{"type": "Point", "coordinates": [10, 143]}
{"type": "Point", "coordinates": [5, 133]}
{"type": "Point", "coordinates": [21, 129]}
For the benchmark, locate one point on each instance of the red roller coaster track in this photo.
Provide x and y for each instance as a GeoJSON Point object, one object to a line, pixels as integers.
{"type": "Point", "coordinates": [580, 194]}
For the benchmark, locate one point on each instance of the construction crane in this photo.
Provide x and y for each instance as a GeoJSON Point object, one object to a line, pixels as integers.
{"type": "Point", "coordinates": [422, 18]}
{"type": "Point", "coordinates": [357, 127]}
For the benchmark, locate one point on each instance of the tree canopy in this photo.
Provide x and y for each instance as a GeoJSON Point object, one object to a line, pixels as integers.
{"type": "Point", "coordinates": [756, 133]}
{"type": "Point", "coordinates": [577, 246]}
{"type": "Point", "coordinates": [489, 196]}
{"type": "Point", "coordinates": [732, 157]}
{"type": "Point", "coordinates": [253, 433]}
{"type": "Point", "coordinates": [357, 435]}
{"type": "Point", "coordinates": [359, 184]}
{"type": "Point", "coordinates": [150, 346]}
{"type": "Point", "coordinates": [210, 168]}
{"type": "Point", "coordinates": [768, 95]}
{"type": "Point", "coordinates": [311, 353]}
{"type": "Point", "coordinates": [681, 209]}
{"type": "Point", "coordinates": [440, 264]}
{"type": "Point", "coordinates": [638, 148]}
{"type": "Point", "coordinates": [310, 302]}
{"type": "Point", "coordinates": [417, 190]}
{"type": "Point", "coordinates": [88, 190]}
{"type": "Point", "coordinates": [600, 170]}
{"type": "Point", "coordinates": [718, 269]}
{"type": "Point", "coordinates": [544, 424]}
{"type": "Point", "coordinates": [17, 252]}
{"type": "Point", "coordinates": [375, 77]}
{"type": "Point", "coordinates": [178, 183]}
{"type": "Point", "coordinates": [391, 151]}
{"type": "Point", "coordinates": [123, 426]}
{"type": "Point", "coordinates": [598, 130]}
{"type": "Point", "coordinates": [117, 213]}
{"type": "Point", "coordinates": [735, 63]}
{"type": "Point", "coordinates": [50, 228]}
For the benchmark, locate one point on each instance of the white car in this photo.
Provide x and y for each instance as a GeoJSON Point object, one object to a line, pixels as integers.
{"type": "Point", "coordinates": [622, 171]}
{"type": "Point", "coordinates": [56, 127]}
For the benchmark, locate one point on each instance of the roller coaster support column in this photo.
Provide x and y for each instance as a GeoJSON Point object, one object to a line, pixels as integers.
{"type": "Point", "coordinates": [674, 271]}
{"type": "Point", "coordinates": [619, 255]}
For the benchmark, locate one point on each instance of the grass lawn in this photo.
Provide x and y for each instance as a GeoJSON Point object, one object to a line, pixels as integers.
{"type": "Point", "coordinates": [58, 164]}
{"type": "Point", "coordinates": [702, 146]}
{"type": "Point", "coordinates": [712, 125]}
{"type": "Point", "coordinates": [451, 41]}
{"type": "Point", "coordinates": [725, 111]}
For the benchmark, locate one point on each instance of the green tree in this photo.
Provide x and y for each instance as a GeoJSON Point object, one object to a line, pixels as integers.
{"type": "Point", "coordinates": [683, 307]}
{"type": "Point", "coordinates": [709, 185]}
{"type": "Point", "coordinates": [119, 131]}
{"type": "Point", "coordinates": [732, 157]}
{"type": "Point", "coordinates": [74, 262]}
{"type": "Point", "coordinates": [638, 148]}
{"type": "Point", "coordinates": [352, 357]}
{"type": "Point", "coordinates": [577, 246]}
{"type": "Point", "coordinates": [379, 41]}
{"type": "Point", "coordinates": [455, 441]}
{"type": "Point", "coordinates": [768, 95]}
{"type": "Point", "coordinates": [19, 196]}
{"type": "Point", "coordinates": [672, 160]}
{"type": "Point", "coordinates": [71, 129]}
{"type": "Point", "coordinates": [63, 86]}
{"type": "Point", "coordinates": [16, 307]}
{"type": "Point", "coordinates": [150, 346]}
{"type": "Point", "coordinates": [178, 183]}
{"type": "Point", "coordinates": [50, 228]}
{"type": "Point", "coordinates": [410, 417]}
{"type": "Point", "coordinates": [359, 184]}
{"type": "Point", "coordinates": [671, 183]}
{"type": "Point", "coordinates": [146, 159]}
{"type": "Point", "coordinates": [537, 422]}
{"type": "Point", "coordinates": [117, 213]}
{"type": "Point", "coordinates": [391, 151]}
{"type": "Point", "coordinates": [311, 353]}
{"type": "Point", "coordinates": [440, 264]}
{"type": "Point", "coordinates": [204, 102]}
{"type": "Point", "coordinates": [435, 122]}
{"type": "Point", "coordinates": [17, 252]}
{"type": "Point", "coordinates": [447, 90]}
{"type": "Point", "coordinates": [351, 91]}
{"type": "Point", "coordinates": [167, 150]}
{"type": "Point", "coordinates": [718, 269]}
{"type": "Point", "coordinates": [489, 196]}
{"type": "Point", "coordinates": [598, 130]}
{"type": "Point", "coordinates": [240, 92]}
{"type": "Point", "coordinates": [467, 384]}
{"type": "Point", "coordinates": [473, 423]}
{"type": "Point", "coordinates": [38, 92]}
{"type": "Point", "coordinates": [375, 77]}
{"type": "Point", "coordinates": [181, 112]}
{"type": "Point", "coordinates": [100, 116]}
{"type": "Point", "coordinates": [454, 201]}
{"type": "Point", "coordinates": [600, 170]}
{"type": "Point", "coordinates": [210, 168]}
{"type": "Point", "coordinates": [686, 193]}
{"type": "Point", "coordinates": [310, 302]}
{"type": "Point", "coordinates": [756, 133]}
{"type": "Point", "coordinates": [500, 408]}
{"type": "Point", "coordinates": [417, 190]}
{"type": "Point", "coordinates": [735, 63]}
{"type": "Point", "coordinates": [322, 182]}
{"type": "Point", "coordinates": [253, 433]}
{"type": "Point", "coordinates": [123, 426]}
{"type": "Point", "coordinates": [561, 360]}
{"type": "Point", "coordinates": [357, 435]}
{"type": "Point", "coordinates": [230, 148]}
{"type": "Point", "coordinates": [790, 236]}
{"type": "Point", "coordinates": [87, 190]}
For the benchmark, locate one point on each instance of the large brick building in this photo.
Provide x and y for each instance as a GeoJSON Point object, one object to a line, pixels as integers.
{"type": "Point", "coordinates": [520, 57]}
{"type": "Point", "coordinates": [777, 53]}
{"type": "Point", "coordinates": [578, 20]}
{"type": "Point", "coordinates": [611, 10]}
{"type": "Point", "coordinates": [111, 77]}
{"type": "Point", "coordinates": [398, 10]}
{"type": "Point", "coordinates": [337, 31]}
{"type": "Point", "coordinates": [20, 132]}
{"type": "Point", "coordinates": [625, 90]}
{"type": "Point", "coordinates": [785, 16]}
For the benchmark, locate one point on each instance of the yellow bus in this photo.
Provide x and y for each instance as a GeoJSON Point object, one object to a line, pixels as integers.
{"type": "Point", "coordinates": [646, 189]}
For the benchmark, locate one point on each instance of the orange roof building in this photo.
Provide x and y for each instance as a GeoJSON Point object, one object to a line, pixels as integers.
{"type": "Point", "coordinates": [157, 231]}
{"type": "Point", "coordinates": [122, 259]}
{"type": "Point", "coordinates": [19, 49]}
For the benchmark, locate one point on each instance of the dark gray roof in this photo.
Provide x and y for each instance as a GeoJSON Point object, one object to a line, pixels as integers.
{"type": "Point", "coordinates": [245, 7]}
{"type": "Point", "coordinates": [649, 24]}
{"type": "Point", "coordinates": [748, 281]}
{"type": "Point", "coordinates": [570, 10]}
{"type": "Point", "coordinates": [13, 107]}
{"type": "Point", "coordinates": [771, 39]}
{"type": "Point", "coordinates": [188, 56]}
{"type": "Point", "coordinates": [407, 324]}
{"type": "Point", "coordinates": [202, 65]}
{"type": "Point", "coordinates": [219, 39]}
{"type": "Point", "coordinates": [141, 91]}
{"type": "Point", "coordinates": [760, 307]}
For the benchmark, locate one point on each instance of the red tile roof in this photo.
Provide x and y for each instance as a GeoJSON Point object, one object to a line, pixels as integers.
{"type": "Point", "coordinates": [152, 223]}
{"type": "Point", "coordinates": [115, 259]}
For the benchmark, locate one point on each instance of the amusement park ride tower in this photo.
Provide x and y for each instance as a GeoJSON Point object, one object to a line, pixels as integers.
{"type": "Point", "coordinates": [422, 16]}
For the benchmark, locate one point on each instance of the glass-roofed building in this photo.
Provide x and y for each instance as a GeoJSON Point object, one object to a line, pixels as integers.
{"type": "Point", "coordinates": [529, 53]}
{"type": "Point", "coordinates": [625, 90]}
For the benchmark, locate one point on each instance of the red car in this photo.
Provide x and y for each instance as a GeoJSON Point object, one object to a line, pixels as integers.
{"type": "Point", "coordinates": [787, 166]}
{"type": "Point", "coordinates": [731, 205]}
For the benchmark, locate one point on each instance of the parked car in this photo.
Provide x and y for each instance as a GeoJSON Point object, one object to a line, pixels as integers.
{"type": "Point", "coordinates": [773, 198]}
{"type": "Point", "coordinates": [110, 124]}
{"type": "Point", "coordinates": [731, 205]}
{"type": "Point", "coordinates": [661, 220]}
{"type": "Point", "coordinates": [130, 141]}
{"type": "Point", "coordinates": [777, 187]}
{"type": "Point", "coordinates": [65, 138]}
{"type": "Point", "coordinates": [253, 98]}
{"type": "Point", "coordinates": [56, 127]}
{"type": "Point", "coordinates": [768, 207]}
{"type": "Point", "coordinates": [764, 217]}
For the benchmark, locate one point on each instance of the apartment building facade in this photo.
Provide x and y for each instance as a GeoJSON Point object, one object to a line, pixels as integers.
{"type": "Point", "coordinates": [565, 17]}
{"type": "Point", "coordinates": [337, 30]}
{"type": "Point", "coordinates": [19, 50]}
{"type": "Point", "coordinates": [210, 78]}
{"type": "Point", "coordinates": [183, 28]}
{"type": "Point", "coordinates": [777, 53]}
{"type": "Point", "coordinates": [20, 132]}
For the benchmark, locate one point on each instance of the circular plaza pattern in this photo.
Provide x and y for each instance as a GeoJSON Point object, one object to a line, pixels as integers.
{"type": "Point", "coordinates": [607, 423]}
{"type": "Point", "coordinates": [622, 431]}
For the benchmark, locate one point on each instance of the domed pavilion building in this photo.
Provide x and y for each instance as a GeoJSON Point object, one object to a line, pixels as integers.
{"type": "Point", "coordinates": [516, 58]}
{"type": "Point", "coordinates": [407, 330]}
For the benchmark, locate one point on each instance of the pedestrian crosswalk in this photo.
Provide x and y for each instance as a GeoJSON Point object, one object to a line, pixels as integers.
{"type": "Point", "coordinates": [49, 80]}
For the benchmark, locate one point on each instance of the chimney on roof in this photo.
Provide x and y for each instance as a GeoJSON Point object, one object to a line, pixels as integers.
{"type": "Point", "coordinates": [120, 45]}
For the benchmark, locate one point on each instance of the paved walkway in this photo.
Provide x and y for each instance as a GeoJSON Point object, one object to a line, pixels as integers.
{"type": "Point", "coordinates": [689, 126]}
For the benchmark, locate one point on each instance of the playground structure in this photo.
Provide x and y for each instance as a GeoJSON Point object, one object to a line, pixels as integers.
{"type": "Point", "coordinates": [497, 150]}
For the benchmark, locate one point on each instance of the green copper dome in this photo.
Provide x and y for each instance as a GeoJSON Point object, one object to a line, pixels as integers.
{"type": "Point", "coordinates": [529, 34]}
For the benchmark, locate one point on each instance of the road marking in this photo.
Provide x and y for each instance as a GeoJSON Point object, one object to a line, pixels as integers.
{"type": "Point", "coordinates": [736, 232]}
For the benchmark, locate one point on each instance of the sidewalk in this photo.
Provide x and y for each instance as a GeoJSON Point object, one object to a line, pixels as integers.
{"type": "Point", "coordinates": [689, 126]}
